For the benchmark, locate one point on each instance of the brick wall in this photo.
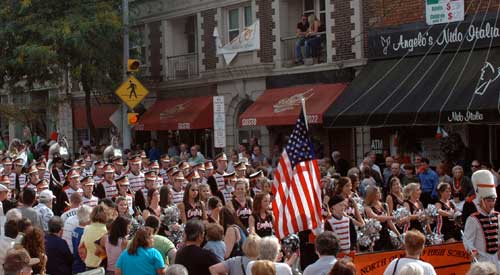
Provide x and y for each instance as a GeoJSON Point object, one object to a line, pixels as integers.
{"type": "Point", "coordinates": [209, 47]}
{"type": "Point", "coordinates": [155, 50]}
{"type": "Point", "coordinates": [341, 29]}
{"type": "Point", "coordinates": [265, 14]}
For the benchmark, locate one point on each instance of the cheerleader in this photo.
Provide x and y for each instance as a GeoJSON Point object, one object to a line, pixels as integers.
{"type": "Point", "coordinates": [240, 203]}
{"type": "Point", "coordinates": [412, 203]}
{"type": "Point", "coordinates": [123, 211]}
{"type": "Point", "coordinates": [124, 191]}
{"type": "Point", "coordinates": [191, 207]}
{"type": "Point", "coordinates": [395, 198]}
{"type": "Point", "coordinates": [154, 207]}
{"type": "Point", "coordinates": [205, 194]}
{"type": "Point", "coordinates": [374, 209]}
{"type": "Point", "coordinates": [446, 223]}
{"type": "Point", "coordinates": [214, 206]}
{"type": "Point", "coordinates": [261, 220]}
{"type": "Point", "coordinates": [344, 189]}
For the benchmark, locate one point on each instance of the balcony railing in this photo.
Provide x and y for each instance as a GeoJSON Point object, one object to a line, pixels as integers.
{"type": "Point", "coordinates": [288, 51]}
{"type": "Point", "coordinates": [182, 66]}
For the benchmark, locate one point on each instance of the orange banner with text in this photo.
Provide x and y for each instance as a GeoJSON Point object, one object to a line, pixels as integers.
{"type": "Point", "coordinates": [447, 259]}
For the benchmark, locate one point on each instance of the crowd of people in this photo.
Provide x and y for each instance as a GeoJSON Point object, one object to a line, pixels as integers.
{"type": "Point", "coordinates": [186, 214]}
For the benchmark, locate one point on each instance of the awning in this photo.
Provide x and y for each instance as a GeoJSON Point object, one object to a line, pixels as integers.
{"type": "Point", "coordinates": [282, 106]}
{"type": "Point", "coordinates": [422, 90]}
{"type": "Point", "coordinates": [178, 114]}
{"type": "Point", "coordinates": [100, 115]}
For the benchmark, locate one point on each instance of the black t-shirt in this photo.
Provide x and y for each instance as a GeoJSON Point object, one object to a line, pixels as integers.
{"type": "Point", "coordinates": [195, 259]}
{"type": "Point", "coordinates": [303, 27]}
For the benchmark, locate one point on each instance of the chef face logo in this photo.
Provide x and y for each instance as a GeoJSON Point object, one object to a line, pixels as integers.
{"type": "Point", "coordinates": [171, 112]}
{"type": "Point", "coordinates": [291, 102]}
{"type": "Point", "coordinates": [386, 42]}
{"type": "Point", "coordinates": [489, 74]}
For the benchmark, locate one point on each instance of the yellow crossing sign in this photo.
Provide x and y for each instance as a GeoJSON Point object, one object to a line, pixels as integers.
{"type": "Point", "coordinates": [132, 92]}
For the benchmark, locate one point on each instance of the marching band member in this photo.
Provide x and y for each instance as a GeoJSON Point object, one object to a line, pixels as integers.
{"type": "Point", "coordinates": [135, 176]}
{"type": "Point", "coordinates": [165, 163]}
{"type": "Point", "coordinates": [155, 167]}
{"type": "Point", "coordinates": [89, 199]}
{"type": "Point", "coordinates": [7, 170]}
{"type": "Point", "coordinates": [41, 185]}
{"type": "Point", "coordinates": [256, 183]}
{"type": "Point", "coordinates": [209, 171]}
{"type": "Point", "coordinates": [107, 187]}
{"type": "Point", "coordinates": [177, 190]}
{"type": "Point", "coordinates": [216, 181]}
{"type": "Point", "coordinates": [229, 182]}
{"type": "Point", "coordinates": [99, 171]}
{"type": "Point", "coordinates": [42, 170]}
{"type": "Point", "coordinates": [73, 180]}
{"type": "Point", "coordinates": [482, 227]}
{"type": "Point", "coordinates": [32, 177]}
{"type": "Point", "coordinates": [57, 172]}
{"type": "Point", "coordinates": [88, 169]}
{"type": "Point", "coordinates": [240, 169]}
{"type": "Point", "coordinates": [123, 191]}
{"type": "Point", "coordinates": [118, 165]}
{"type": "Point", "coordinates": [20, 180]}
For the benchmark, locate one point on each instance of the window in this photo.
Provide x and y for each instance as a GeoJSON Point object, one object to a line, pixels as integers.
{"type": "Point", "coordinates": [238, 18]}
{"type": "Point", "coordinates": [138, 44]}
{"type": "Point", "coordinates": [316, 7]}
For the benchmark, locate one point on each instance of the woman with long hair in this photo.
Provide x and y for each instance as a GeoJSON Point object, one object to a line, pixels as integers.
{"type": "Point", "coordinates": [140, 257]}
{"type": "Point", "coordinates": [191, 207]}
{"type": "Point", "coordinates": [34, 243]}
{"type": "Point", "coordinates": [446, 222]}
{"type": "Point", "coordinates": [413, 204]}
{"type": "Point", "coordinates": [234, 234]}
{"type": "Point", "coordinates": [355, 185]}
{"type": "Point", "coordinates": [344, 189]}
{"type": "Point", "coordinates": [214, 206]}
{"type": "Point", "coordinates": [395, 198]}
{"type": "Point", "coordinates": [205, 194]}
{"type": "Point", "coordinates": [237, 265]}
{"type": "Point", "coordinates": [92, 232]}
{"type": "Point", "coordinates": [170, 216]}
{"type": "Point", "coordinates": [374, 209]}
{"type": "Point", "coordinates": [261, 220]}
{"type": "Point", "coordinates": [123, 210]}
{"type": "Point", "coordinates": [153, 204]}
{"type": "Point", "coordinates": [241, 203]}
{"type": "Point", "coordinates": [113, 243]}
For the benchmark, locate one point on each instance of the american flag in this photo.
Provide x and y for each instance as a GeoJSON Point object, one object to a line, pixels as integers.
{"type": "Point", "coordinates": [297, 202]}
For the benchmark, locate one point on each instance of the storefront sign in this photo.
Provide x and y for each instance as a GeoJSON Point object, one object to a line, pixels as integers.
{"type": "Point", "coordinates": [377, 146]}
{"type": "Point", "coordinates": [419, 38]}
{"type": "Point", "coordinates": [219, 122]}
{"type": "Point", "coordinates": [444, 11]}
{"type": "Point", "coordinates": [447, 259]}
{"type": "Point", "coordinates": [466, 116]}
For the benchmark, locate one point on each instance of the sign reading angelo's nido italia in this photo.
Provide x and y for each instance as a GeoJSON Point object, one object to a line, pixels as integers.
{"type": "Point", "coordinates": [418, 38]}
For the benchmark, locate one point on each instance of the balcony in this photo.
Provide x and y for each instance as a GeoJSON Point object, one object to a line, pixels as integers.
{"type": "Point", "coordinates": [288, 45]}
{"type": "Point", "coordinates": [183, 66]}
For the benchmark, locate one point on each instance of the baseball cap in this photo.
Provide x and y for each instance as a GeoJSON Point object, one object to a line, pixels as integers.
{"type": "Point", "coordinates": [46, 195]}
{"type": "Point", "coordinates": [17, 259]}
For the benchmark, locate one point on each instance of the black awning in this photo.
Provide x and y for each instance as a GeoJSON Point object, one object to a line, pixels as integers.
{"type": "Point", "coordinates": [422, 91]}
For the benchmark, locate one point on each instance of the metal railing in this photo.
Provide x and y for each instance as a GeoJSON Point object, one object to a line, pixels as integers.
{"type": "Point", "coordinates": [288, 50]}
{"type": "Point", "coordinates": [183, 66]}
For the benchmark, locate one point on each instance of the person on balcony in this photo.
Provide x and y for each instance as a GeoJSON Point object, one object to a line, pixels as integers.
{"type": "Point", "coordinates": [313, 41]}
{"type": "Point", "coordinates": [302, 30]}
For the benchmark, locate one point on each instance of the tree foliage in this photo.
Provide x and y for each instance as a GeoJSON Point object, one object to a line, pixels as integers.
{"type": "Point", "coordinates": [44, 41]}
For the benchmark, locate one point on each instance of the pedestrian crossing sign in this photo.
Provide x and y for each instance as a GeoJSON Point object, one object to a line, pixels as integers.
{"type": "Point", "coordinates": [132, 92]}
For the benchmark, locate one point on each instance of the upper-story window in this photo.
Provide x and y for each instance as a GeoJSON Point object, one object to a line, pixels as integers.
{"type": "Point", "coordinates": [138, 46]}
{"type": "Point", "coordinates": [316, 7]}
{"type": "Point", "coordinates": [238, 18]}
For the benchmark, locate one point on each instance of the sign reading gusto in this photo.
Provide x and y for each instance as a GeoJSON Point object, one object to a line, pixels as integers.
{"type": "Point", "coordinates": [418, 38]}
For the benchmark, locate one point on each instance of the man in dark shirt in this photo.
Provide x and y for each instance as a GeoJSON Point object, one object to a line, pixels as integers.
{"type": "Point", "coordinates": [302, 29]}
{"type": "Point", "coordinates": [192, 256]}
{"type": "Point", "coordinates": [59, 258]}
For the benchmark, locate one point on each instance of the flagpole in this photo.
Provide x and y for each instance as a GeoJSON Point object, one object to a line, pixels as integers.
{"type": "Point", "coordinates": [303, 101]}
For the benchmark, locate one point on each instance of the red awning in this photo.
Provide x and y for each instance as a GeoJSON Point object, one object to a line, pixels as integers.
{"type": "Point", "coordinates": [100, 115]}
{"type": "Point", "coordinates": [178, 114]}
{"type": "Point", "coordinates": [282, 106]}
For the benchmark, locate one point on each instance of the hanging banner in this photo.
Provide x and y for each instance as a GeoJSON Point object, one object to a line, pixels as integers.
{"type": "Point", "coordinates": [247, 40]}
{"type": "Point", "coordinates": [444, 11]}
{"type": "Point", "coordinates": [447, 259]}
{"type": "Point", "coordinates": [419, 38]}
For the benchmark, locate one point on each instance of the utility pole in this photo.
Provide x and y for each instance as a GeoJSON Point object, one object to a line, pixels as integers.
{"type": "Point", "coordinates": [126, 136]}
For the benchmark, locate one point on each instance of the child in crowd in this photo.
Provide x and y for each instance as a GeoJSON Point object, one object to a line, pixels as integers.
{"type": "Point", "coordinates": [215, 243]}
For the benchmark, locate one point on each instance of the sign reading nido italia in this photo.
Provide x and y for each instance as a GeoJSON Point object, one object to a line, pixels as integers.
{"type": "Point", "coordinates": [420, 38]}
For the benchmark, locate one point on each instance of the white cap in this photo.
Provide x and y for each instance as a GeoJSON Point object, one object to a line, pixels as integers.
{"type": "Point", "coordinates": [3, 188]}
{"type": "Point", "coordinates": [484, 184]}
{"type": "Point", "coordinates": [46, 195]}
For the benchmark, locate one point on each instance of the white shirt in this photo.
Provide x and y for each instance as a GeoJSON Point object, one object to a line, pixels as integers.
{"type": "Point", "coordinates": [428, 268]}
{"type": "Point", "coordinates": [69, 226]}
{"type": "Point", "coordinates": [5, 243]}
{"type": "Point", "coordinates": [69, 213]}
{"type": "Point", "coordinates": [321, 267]}
{"type": "Point", "coordinates": [281, 268]}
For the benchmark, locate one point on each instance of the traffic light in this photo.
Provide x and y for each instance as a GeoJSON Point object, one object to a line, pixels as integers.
{"type": "Point", "coordinates": [133, 65]}
{"type": "Point", "coordinates": [133, 118]}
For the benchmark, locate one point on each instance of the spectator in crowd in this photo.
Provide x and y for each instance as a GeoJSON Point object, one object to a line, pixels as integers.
{"type": "Point", "coordinates": [29, 196]}
{"type": "Point", "coordinates": [341, 165]}
{"type": "Point", "coordinates": [410, 173]}
{"type": "Point", "coordinates": [19, 262]}
{"type": "Point", "coordinates": [386, 173]}
{"type": "Point", "coordinates": [141, 257]}
{"type": "Point", "coordinates": [75, 201]}
{"type": "Point", "coordinates": [429, 181]}
{"type": "Point", "coordinates": [7, 241]}
{"type": "Point", "coordinates": [343, 267]}
{"type": "Point", "coordinates": [461, 186]}
{"type": "Point", "coordinates": [91, 234]}
{"type": "Point", "coordinates": [161, 243]}
{"type": "Point", "coordinates": [411, 269]}
{"type": "Point", "coordinates": [482, 268]}
{"type": "Point", "coordinates": [44, 208]}
{"type": "Point", "coordinates": [113, 243]}
{"type": "Point", "coordinates": [192, 256]}
{"type": "Point", "coordinates": [441, 169]}
{"type": "Point", "coordinates": [414, 245]}
{"type": "Point", "coordinates": [215, 243]}
{"type": "Point", "coordinates": [327, 247]}
{"type": "Point", "coordinates": [59, 258]}
{"type": "Point", "coordinates": [302, 29]}
{"type": "Point", "coordinates": [237, 265]}
{"type": "Point", "coordinates": [184, 152]}
{"type": "Point", "coordinates": [23, 226]}
{"type": "Point", "coordinates": [154, 153]}
{"type": "Point", "coordinates": [177, 269]}
{"type": "Point", "coordinates": [257, 155]}
{"type": "Point", "coordinates": [83, 216]}
{"type": "Point", "coordinates": [196, 156]}
{"type": "Point", "coordinates": [269, 250]}
{"type": "Point", "coordinates": [34, 243]}
{"type": "Point", "coordinates": [263, 267]}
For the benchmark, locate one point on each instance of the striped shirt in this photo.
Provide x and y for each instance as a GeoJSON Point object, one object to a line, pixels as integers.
{"type": "Point", "coordinates": [87, 172]}
{"type": "Point", "coordinates": [92, 201]}
{"type": "Point", "coordinates": [98, 179]}
{"type": "Point", "coordinates": [178, 196]}
{"type": "Point", "coordinates": [46, 175]}
{"type": "Point", "coordinates": [136, 181]}
{"type": "Point", "coordinates": [341, 230]}
{"type": "Point", "coordinates": [22, 181]}
{"type": "Point", "coordinates": [69, 191]}
{"type": "Point", "coordinates": [12, 178]}
{"type": "Point", "coordinates": [228, 193]}
{"type": "Point", "coordinates": [219, 179]}
{"type": "Point", "coordinates": [110, 189]}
